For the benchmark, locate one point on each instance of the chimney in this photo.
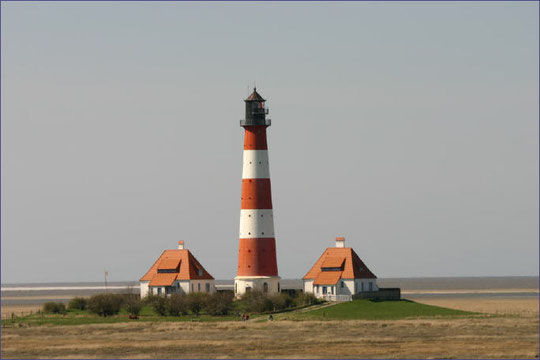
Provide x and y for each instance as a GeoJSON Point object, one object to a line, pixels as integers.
{"type": "Point", "coordinates": [340, 242]}
{"type": "Point", "coordinates": [181, 245]}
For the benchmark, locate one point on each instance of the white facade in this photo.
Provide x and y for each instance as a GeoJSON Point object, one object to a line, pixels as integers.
{"type": "Point", "coordinates": [243, 284]}
{"type": "Point", "coordinates": [179, 287]}
{"type": "Point", "coordinates": [342, 287]}
{"type": "Point", "coordinates": [144, 288]}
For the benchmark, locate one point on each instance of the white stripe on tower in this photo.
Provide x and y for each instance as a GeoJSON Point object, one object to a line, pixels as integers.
{"type": "Point", "coordinates": [256, 223]}
{"type": "Point", "coordinates": [256, 165]}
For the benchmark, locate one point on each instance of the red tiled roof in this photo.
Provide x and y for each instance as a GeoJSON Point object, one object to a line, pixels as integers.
{"type": "Point", "coordinates": [353, 268]}
{"type": "Point", "coordinates": [169, 264]}
{"type": "Point", "coordinates": [333, 262]}
{"type": "Point", "coordinates": [163, 279]}
{"type": "Point", "coordinates": [327, 278]}
{"type": "Point", "coordinates": [189, 266]}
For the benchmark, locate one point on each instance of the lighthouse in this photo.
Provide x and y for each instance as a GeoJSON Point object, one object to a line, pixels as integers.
{"type": "Point", "coordinates": [257, 265]}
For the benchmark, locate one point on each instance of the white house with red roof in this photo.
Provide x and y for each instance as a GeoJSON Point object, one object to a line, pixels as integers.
{"type": "Point", "coordinates": [339, 273]}
{"type": "Point", "coordinates": [176, 272]}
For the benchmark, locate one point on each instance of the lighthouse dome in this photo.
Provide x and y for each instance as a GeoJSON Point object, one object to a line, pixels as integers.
{"type": "Point", "coordinates": [255, 96]}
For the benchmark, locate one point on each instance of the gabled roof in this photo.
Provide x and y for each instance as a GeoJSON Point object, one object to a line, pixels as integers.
{"type": "Point", "coordinates": [327, 278]}
{"type": "Point", "coordinates": [353, 268]}
{"type": "Point", "coordinates": [255, 96]}
{"type": "Point", "coordinates": [188, 270]}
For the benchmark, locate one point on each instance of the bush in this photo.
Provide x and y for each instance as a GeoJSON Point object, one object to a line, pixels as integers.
{"type": "Point", "coordinates": [304, 299]}
{"type": "Point", "coordinates": [196, 302]}
{"type": "Point", "coordinates": [78, 303]}
{"type": "Point", "coordinates": [255, 301]}
{"type": "Point", "coordinates": [281, 302]}
{"type": "Point", "coordinates": [158, 304]}
{"type": "Point", "coordinates": [54, 307]}
{"type": "Point", "coordinates": [177, 305]}
{"type": "Point", "coordinates": [133, 305]}
{"type": "Point", "coordinates": [219, 303]}
{"type": "Point", "coordinates": [105, 304]}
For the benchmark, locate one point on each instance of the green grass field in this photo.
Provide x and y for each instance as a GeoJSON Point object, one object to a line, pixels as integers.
{"type": "Point", "coordinates": [77, 317]}
{"type": "Point", "coordinates": [378, 310]}
{"type": "Point", "coordinates": [353, 310]}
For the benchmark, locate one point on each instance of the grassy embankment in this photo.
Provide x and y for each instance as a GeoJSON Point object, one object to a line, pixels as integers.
{"type": "Point", "coordinates": [354, 310]}
{"type": "Point", "coordinates": [378, 310]}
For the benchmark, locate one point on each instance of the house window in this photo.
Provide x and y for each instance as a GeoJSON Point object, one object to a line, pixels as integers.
{"type": "Point", "coordinates": [342, 284]}
{"type": "Point", "coordinates": [370, 286]}
{"type": "Point", "coordinates": [265, 287]}
{"type": "Point", "coordinates": [362, 286]}
{"type": "Point", "coordinates": [207, 287]}
{"type": "Point", "coordinates": [199, 287]}
{"type": "Point", "coordinates": [199, 271]}
{"type": "Point", "coordinates": [332, 290]}
{"type": "Point", "coordinates": [159, 291]}
{"type": "Point", "coordinates": [248, 288]}
{"type": "Point", "coordinates": [192, 287]}
{"type": "Point", "coordinates": [324, 290]}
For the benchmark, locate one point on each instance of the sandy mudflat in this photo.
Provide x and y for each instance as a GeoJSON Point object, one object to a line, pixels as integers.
{"type": "Point", "coordinates": [508, 306]}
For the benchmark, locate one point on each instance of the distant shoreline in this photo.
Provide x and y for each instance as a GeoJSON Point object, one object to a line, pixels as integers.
{"type": "Point", "coordinates": [414, 283]}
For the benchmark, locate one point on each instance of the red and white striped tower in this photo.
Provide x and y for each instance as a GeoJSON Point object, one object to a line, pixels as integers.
{"type": "Point", "coordinates": [257, 266]}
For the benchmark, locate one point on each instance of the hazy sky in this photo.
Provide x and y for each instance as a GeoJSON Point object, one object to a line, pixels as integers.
{"type": "Point", "coordinates": [409, 128]}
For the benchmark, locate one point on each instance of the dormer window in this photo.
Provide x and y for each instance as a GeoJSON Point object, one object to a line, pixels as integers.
{"type": "Point", "coordinates": [167, 271]}
{"type": "Point", "coordinates": [331, 269]}
{"type": "Point", "coordinates": [333, 263]}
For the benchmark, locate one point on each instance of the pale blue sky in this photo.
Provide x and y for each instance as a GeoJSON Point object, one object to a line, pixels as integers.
{"type": "Point", "coordinates": [409, 128]}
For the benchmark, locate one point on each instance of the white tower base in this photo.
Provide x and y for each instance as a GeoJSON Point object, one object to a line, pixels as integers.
{"type": "Point", "coordinates": [249, 283]}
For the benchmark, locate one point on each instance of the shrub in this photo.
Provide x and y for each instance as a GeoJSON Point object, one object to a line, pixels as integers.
{"type": "Point", "coordinates": [54, 307]}
{"type": "Point", "coordinates": [219, 303]}
{"type": "Point", "coordinates": [158, 303]}
{"type": "Point", "coordinates": [105, 304]}
{"type": "Point", "coordinates": [133, 305]}
{"type": "Point", "coordinates": [177, 305]}
{"type": "Point", "coordinates": [196, 302]}
{"type": "Point", "coordinates": [78, 303]}
{"type": "Point", "coordinates": [304, 299]}
{"type": "Point", "coordinates": [255, 301]}
{"type": "Point", "coordinates": [281, 302]}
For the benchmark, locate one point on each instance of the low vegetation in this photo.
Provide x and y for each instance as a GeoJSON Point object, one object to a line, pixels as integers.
{"type": "Point", "coordinates": [133, 305]}
{"type": "Point", "coordinates": [78, 303]}
{"type": "Point", "coordinates": [54, 307]}
{"type": "Point", "coordinates": [379, 310]}
{"type": "Point", "coordinates": [105, 304]}
{"type": "Point", "coordinates": [111, 308]}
